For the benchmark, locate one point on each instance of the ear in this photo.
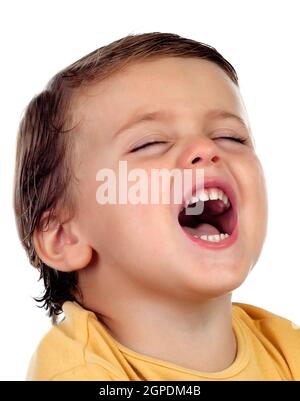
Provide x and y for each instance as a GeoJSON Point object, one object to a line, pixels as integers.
{"type": "Point", "coordinates": [60, 245]}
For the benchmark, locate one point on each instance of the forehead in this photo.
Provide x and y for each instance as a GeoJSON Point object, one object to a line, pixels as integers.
{"type": "Point", "coordinates": [184, 86]}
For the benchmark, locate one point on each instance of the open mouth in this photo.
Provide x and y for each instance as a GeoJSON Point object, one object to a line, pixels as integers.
{"type": "Point", "coordinates": [218, 219]}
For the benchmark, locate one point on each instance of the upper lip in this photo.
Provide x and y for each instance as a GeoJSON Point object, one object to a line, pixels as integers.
{"type": "Point", "coordinates": [209, 182]}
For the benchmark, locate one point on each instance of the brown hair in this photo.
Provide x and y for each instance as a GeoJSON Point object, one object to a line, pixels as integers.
{"type": "Point", "coordinates": [43, 174]}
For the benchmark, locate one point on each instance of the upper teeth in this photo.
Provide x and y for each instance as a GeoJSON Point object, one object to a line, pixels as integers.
{"type": "Point", "coordinates": [208, 194]}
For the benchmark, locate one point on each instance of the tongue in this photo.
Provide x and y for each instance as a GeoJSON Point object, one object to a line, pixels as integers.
{"type": "Point", "coordinates": [205, 229]}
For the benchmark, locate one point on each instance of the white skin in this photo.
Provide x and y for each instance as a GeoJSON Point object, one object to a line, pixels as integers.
{"type": "Point", "coordinates": [156, 294]}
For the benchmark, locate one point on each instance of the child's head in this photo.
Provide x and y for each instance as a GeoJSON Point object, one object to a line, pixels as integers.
{"type": "Point", "coordinates": [121, 252]}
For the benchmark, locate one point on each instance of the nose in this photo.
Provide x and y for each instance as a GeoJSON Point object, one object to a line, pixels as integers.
{"type": "Point", "coordinates": [201, 152]}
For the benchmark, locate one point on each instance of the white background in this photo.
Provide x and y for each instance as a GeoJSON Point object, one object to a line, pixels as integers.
{"type": "Point", "coordinates": [260, 39]}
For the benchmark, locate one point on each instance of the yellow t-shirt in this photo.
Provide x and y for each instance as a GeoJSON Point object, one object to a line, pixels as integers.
{"type": "Point", "coordinates": [81, 348]}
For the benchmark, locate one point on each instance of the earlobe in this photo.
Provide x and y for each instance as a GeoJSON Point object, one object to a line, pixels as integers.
{"type": "Point", "coordinates": [60, 245]}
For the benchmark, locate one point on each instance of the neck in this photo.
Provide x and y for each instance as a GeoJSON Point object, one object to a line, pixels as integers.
{"type": "Point", "coordinates": [202, 332]}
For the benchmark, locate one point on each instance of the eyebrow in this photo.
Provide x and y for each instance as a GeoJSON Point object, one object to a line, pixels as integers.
{"type": "Point", "coordinates": [163, 115]}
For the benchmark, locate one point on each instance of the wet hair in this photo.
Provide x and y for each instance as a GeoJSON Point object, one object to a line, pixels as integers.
{"type": "Point", "coordinates": [44, 178]}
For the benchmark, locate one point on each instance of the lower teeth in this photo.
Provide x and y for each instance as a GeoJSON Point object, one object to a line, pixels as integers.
{"type": "Point", "coordinates": [212, 238]}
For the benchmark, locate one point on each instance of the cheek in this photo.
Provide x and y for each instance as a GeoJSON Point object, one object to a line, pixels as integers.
{"type": "Point", "coordinates": [262, 200]}
{"type": "Point", "coordinates": [112, 226]}
{"type": "Point", "coordinates": [254, 206]}
{"type": "Point", "coordinates": [145, 238]}
{"type": "Point", "coordinates": [138, 223]}
{"type": "Point", "coordinates": [132, 229]}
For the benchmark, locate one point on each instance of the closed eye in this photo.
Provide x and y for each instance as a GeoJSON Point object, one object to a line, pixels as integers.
{"type": "Point", "coordinates": [233, 138]}
{"type": "Point", "coordinates": [145, 145]}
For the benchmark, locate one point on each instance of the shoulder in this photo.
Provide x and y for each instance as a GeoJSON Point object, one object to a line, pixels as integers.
{"type": "Point", "coordinates": [61, 354]}
{"type": "Point", "coordinates": [264, 319]}
{"type": "Point", "coordinates": [273, 331]}
{"type": "Point", "coordinates": [85, 372]}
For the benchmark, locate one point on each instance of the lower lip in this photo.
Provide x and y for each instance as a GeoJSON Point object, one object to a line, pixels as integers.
{"type": "Point", "coordinates": [225, 243]}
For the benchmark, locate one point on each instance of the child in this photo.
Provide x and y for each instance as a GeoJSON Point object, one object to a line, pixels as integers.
{"type": "Point", "coordinates": [145, 288]}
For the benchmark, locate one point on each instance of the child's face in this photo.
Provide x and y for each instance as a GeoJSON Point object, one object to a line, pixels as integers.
{"type": "Point", "coordinates": [142, 247]}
